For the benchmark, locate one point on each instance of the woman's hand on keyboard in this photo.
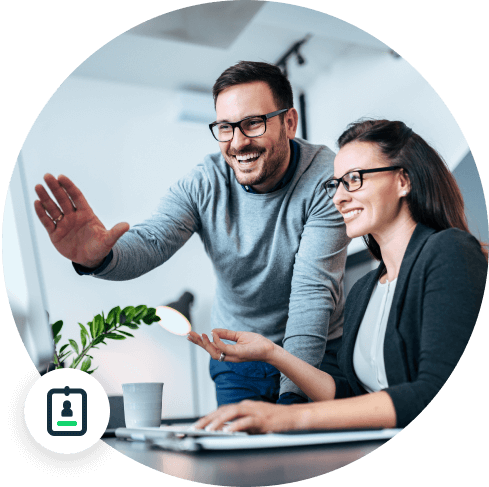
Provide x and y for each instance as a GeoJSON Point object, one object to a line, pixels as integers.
{"type": "Point", "coordinates": [254, 417]}
{"type": "Point", "coordinates": [249, 346]}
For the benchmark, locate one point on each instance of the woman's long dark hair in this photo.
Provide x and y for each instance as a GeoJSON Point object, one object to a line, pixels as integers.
{"type": "Point", "coordinates": [434, 199]}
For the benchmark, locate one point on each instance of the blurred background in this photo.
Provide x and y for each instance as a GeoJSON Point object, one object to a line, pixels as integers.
{"type": "Point", "coordinates": [132, 119]}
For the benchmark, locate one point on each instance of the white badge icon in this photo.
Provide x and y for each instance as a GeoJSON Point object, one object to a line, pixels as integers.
{"type": "Point", "coordinates": [67, 411]}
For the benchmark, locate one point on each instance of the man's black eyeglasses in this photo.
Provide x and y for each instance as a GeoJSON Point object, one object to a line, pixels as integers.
{"type": "Point", "coordinates": [353, 180]}
{"type": "Point", "coordinates": [254, 126]}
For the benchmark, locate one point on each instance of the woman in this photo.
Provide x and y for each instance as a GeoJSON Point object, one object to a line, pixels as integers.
{"type": "Point", "coordinates": [406, 323]}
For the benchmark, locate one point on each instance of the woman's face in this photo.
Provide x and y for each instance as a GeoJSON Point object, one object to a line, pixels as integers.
{"type": "Point", "coordinates": [376, 206]}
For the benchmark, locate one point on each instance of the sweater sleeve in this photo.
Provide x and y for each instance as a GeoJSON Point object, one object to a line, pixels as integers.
{"type": "Point", "coordinates": [316, 299]}
{"type": "Point", "coordinates": [455, 277]}
{"type": "Point", "coordinates": [149, 244]}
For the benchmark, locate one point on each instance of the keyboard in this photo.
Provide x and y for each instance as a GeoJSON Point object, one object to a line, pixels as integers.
{"type": "Point", "coordinates": [189, 430]}
{"type": "Point", "coordinates": [171, 431]}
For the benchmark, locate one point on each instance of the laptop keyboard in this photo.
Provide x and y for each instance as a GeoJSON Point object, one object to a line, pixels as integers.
{"type": "Point", "coordinates": [187, 429]}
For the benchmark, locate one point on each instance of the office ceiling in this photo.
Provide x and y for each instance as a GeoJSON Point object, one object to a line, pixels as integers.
{"type": "Point", "coordinates": [190, 47]}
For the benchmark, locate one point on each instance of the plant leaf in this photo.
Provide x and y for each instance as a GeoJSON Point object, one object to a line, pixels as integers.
{"type": "Point", "coordinates": [129, 311]}
{"type": "Point", "coordinates": [86, 364]}
{"type": "Point", "coordinates": [151, 319]}
{"type": "Point", "coordinates": [83, 337]}
{"type": "Point", "coordinates": [84, 329]}
{"type": "Point", "coordinates": [125, 333]}
{"type": "Point", "coordinates": [151, 316]}
{"type": "Point", "coordinates": [110, 317]}
{"type": "Point", "coordinates": [114, 315]}
{"type": "Point", "coordinates": [141, 312]}
{"type": "Point", "coordinates": [98, 325]}
{"type": "Point", "coordinates": [92, 371]}
{"type": "Point", "coordinates": [122, 318]}
{"type": "Point", "coordinates": [63, 348]}
{"type": "Point", "coordinates": [92, 328]}
{"type": "Point", "coordinates": [57, 339]}
{"type": "Point", "coordinates": [74, 345]}
{"type": "Point", "coordinates": [131, 326]}
{"type": "Point", "coordinates": [65, 355]}
{"type": "Point", "coordinates": [97, 340]}
{"type": "Point", "coordinates": [115, 336]}
{"type": "Point", "coordinates": [56, 327]}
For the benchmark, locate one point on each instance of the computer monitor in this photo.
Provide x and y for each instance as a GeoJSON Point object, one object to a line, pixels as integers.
{"type": "Point", "coordinates": [30, 315]}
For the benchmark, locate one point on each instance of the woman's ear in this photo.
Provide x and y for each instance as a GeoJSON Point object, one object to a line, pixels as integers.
{"type": "Point", "coordinates": [404, 183]}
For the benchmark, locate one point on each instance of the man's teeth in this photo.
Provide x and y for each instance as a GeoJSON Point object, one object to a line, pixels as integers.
{"type": "Point", "coordinates": [352, 213]}
{"type": "Point", "coordinates": [246, 157]}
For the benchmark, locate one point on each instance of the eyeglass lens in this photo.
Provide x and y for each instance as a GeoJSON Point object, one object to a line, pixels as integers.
{"type": "Point", "coordinates": [351, 181]}
{"type": "Point", "coordinates": [252, 127]}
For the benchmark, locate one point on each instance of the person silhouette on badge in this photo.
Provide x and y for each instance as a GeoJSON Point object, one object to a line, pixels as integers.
{"type": "Point", "coordinates": [67, 412]}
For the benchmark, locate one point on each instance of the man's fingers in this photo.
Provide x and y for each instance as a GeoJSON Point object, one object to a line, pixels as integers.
{"type": "Point", "coordinates": [74, 193]}
{"type": "Point", "coordinates": [46, 202]}
{"type": "Point", "coordinates": [59, 193]}
{"type": "Point", "coordinates": [45, 220]}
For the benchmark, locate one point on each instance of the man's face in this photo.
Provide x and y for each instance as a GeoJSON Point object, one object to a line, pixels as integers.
{"type": "Point", "coordinates": [260, 161]}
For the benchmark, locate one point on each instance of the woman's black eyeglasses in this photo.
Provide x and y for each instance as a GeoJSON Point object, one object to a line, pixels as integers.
{"type": "Point", "coordinates": [353, 180]}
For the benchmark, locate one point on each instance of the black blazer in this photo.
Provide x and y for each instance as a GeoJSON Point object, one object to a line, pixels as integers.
{"type": "Point", "coordinates": [435, 306]}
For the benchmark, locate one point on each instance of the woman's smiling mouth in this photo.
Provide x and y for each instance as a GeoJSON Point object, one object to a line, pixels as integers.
{"type": "Point", "coordinates": [351, 214]}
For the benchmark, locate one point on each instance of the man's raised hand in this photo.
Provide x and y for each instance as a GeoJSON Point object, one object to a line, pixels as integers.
{"type": "Point", "coordinates": [72, 226]}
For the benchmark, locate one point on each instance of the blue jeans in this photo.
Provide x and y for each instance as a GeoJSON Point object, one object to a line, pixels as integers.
{"type": "Point", "coordinates": [258, 381]}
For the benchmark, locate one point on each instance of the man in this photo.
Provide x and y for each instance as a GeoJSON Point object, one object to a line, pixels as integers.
{"type": "Point", "coordinates": [276, 241]}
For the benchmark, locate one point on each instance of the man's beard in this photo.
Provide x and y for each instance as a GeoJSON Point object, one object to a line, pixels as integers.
{"type": "Point", "coordinates": [275, 159]}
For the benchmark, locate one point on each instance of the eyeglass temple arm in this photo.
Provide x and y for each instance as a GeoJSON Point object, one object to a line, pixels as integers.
{"type": "Point", "coordinates": [274, 114]}
{"type": "Point", "coordinates": [378, 169]}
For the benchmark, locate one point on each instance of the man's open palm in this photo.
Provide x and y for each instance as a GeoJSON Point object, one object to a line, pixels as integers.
{"type": "Point", "coordinates": [73, 227]}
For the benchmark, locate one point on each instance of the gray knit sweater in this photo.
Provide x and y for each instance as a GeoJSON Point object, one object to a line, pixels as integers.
{"type": "Point", "coordinates": [279, 257]}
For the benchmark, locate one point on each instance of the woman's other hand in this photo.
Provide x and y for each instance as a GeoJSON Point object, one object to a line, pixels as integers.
{"type": "Point", "coordinates": [249, 347]}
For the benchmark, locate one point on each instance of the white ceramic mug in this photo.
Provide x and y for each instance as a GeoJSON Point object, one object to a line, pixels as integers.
{"type": "Point", "coordinates": [142, 404]}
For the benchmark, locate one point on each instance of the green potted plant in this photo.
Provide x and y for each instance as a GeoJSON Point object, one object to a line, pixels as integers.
{"type": "Point", "coordinates": [97, 331]}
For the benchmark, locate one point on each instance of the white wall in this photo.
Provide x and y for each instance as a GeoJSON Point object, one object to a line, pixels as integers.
{"type": "Point", "coordinates": [121, 144]}
{"type": "Point", "coordinates": [378, 85]}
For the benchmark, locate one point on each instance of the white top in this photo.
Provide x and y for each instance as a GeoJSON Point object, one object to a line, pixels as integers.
{"type": "Point", "coordinates": [368, 354]}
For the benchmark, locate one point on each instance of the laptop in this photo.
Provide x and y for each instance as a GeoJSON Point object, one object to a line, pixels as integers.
{"type": "Point", "coordinates": [180, 437]}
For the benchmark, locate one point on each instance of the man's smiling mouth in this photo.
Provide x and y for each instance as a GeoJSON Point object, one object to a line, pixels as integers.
{"type": "Point", "coordinates": [247, 158]}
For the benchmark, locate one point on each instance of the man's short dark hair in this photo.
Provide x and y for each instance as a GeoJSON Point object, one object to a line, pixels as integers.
{"type": "Point", "coordinates": [250, 71]}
